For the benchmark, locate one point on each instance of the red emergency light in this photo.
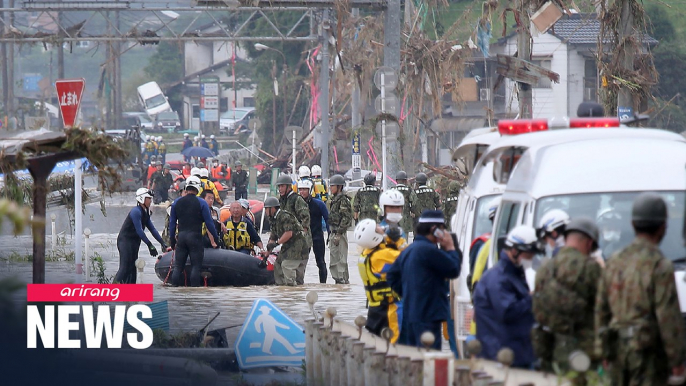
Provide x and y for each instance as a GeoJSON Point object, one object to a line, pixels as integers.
{"type": "Point", "coordinates": [521, 126]}
{"type": "Point", "coordinates": [586, 123]}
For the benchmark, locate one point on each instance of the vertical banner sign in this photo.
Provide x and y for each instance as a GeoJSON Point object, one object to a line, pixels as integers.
{"type": "Point", "coordinates": [69, 92]}
{"type": "Point", "coordinates": [209, 99]}
{"type": "Point", "coordinates": [357, 163]}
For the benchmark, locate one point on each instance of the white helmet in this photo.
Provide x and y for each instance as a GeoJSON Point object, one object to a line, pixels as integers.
{"type": "Point", "coordinates": [212, 136]}
{"type": "Point", "coordinates": [197, 138]}
{"type": "Point", "coordinates": [304, 184]}
{"type": "Point", "coordinates": [523, 238]}
{"type": "Point", "coordinates": [493, 207]}
{"type": "Point", "coordinates": [552, 220]}
{"type": "Point", "coordinates": [303, 171]}
{"type": "Point", "coordinates": [316, 170]}
{"type": "Point", "coordinates": [365, 234]}
{"type": "Point", "coordinates": [204, 173]}
{"type": "Point", "coordinates": [185, 135]}
{"type": "Point", "coordinates": [203, 136]}
{"type": "Point", "coordinates": [142, 194]}
{"type": "Point", "coordinates": [193, 182]}
{"type": "Point", "coordinates": [195, 171]}
{"type": "Point", "coordinates": [159, 138]}
{"type": "Point", "coordinates": [391, 198]}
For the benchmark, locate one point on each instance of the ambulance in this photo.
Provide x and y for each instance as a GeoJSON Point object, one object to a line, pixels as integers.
{"type": "Point", "coordinates": [594, 168]}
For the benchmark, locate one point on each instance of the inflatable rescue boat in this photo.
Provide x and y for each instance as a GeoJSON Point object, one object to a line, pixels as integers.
{"type": "Point", "coordinates": [222, 268]}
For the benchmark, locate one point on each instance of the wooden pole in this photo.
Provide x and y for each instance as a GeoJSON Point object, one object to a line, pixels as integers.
{"type": "Point", "coordinates": [627, 53]}
{"type": "Point", "coordinates": [524, 52]}
{"type": "Point", "coordinates": [40, 170]}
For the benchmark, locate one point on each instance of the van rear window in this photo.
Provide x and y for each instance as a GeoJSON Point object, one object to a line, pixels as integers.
{"type": "Point", "coordinates": [157, 100]}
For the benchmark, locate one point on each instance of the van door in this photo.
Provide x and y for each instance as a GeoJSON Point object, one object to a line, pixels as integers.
{"type": "Point", "coordinates": [506, 219]}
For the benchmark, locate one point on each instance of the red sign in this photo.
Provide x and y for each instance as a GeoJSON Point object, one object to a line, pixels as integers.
{"type": "Point", "coordinates": [69, 92]}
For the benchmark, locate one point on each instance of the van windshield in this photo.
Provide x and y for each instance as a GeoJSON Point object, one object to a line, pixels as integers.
{"type": "Point", "coordinates": [481, 222]}
{"type": "Point", "coordinates": [612, 212]}
{"type": "Point", "coordinates": [157, 100]}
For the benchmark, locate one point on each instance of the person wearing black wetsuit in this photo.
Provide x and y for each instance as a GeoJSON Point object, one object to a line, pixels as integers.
{"type": "Point", "coordinates": [191, 212]}
{"type": "Point", "coordinates": [130, 237]}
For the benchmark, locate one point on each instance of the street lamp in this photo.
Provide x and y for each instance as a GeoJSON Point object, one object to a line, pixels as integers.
{"type": "Point", "coordinates": [262, 47]}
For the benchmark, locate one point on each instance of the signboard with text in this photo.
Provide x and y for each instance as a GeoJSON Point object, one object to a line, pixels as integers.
{"type": "Point", "coordinates": [69, 92]}
{"type": "Point", "coordinates": [209, 99]}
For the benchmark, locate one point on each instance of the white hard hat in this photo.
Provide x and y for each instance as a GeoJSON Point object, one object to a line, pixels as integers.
{"type": "Point", "coordinates": [391, 198]}
{"type": "Point", "coordinates": [203, 136]}
{"type": "Point", "coordinates": [193, 182]}
{"type": "Point", "coordinates": [303, 171]}
{"type": "Point", "coordinates": [195, 171]}
{"type": "Point", "coordinates": [552, 220]}
{"type": "Point", "coordinates": [365, 234]}
{"type": "Point", "coordinates": [316, 170]}
{"type": "Point", "coordinates": [204, 173]}
{"type": "Point", "coordinates": [523, 238]}
{"type": "Point", "coordinates": [142, 194]}
{"type": "Point", "coordinates": [185, 134]}
{"type": "Point", "coordinates": [159, 138]}
{"type": "Point", "coordinates": [493, 207]}
{"type": "Point", "coordinates": [304, 184]}
{"type": "Point", "coordinates": [197, 138]}
{"type": "Point", "coordinates": [212, 136]}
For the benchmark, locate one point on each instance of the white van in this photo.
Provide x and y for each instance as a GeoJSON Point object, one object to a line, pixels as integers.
{"type": "Point", "coordinates": [152, 99]}
{"type": "Point", "coordinates": [594, 173]}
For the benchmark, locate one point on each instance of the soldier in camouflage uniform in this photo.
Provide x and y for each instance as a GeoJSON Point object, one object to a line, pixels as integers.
{"type": "Point", "coordinates": [296, 205]}
{"type": "Point", "coordinates": [639, 327]}
{"type": "Point", "coordinates": [239, 181]}
{"type": "Point", "coordinates": [340, 219]}
{"type": "Point", "coordinates": [287, 239]}
{"type": "Point", "coordinates": [450, 203]}
{"type": "Point", "coordinates": [407, 223]}
{"type": "Point", "coordinates": [367, 200]}
{"type": "Point", "coordinates": [564, 298]}
{"type": "Point", "coordinates": [427, 198]}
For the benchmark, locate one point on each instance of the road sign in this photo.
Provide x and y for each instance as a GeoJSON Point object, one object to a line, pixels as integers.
{"type": "Point", "coordinates": [31, 82]}
{"type": "Point", "coordinates": [392, 130]}
{"type": "Point", "coordinates": [269, 337]}
{"type": "Point", "coordinates": [387, 105]}
{"type": "Point", "coordinates": [390, 78]}
{"type": "Point", "coordinates": [625, 113]}
{"type": "Point", "coordinates": [209, 89]}
{"type": "Point", "coordinates": [288, 132]}
{"type": "Point", "coordinates": [69, 92]}
{"type": "Point", "coordinates": [209, 115]}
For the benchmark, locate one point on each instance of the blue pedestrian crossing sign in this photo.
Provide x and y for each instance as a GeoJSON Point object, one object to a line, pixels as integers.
{"type": "Point", "coordinates": [269, 337]}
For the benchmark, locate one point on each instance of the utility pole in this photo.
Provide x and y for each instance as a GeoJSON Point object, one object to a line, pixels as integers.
{"type": "Point", "coordinates": [276, 90]}
{"type": "Point", "coordinates": [285, 98]}
{"type": "Point", "coordinates": [5, 69]}
{"type": "Point", "coordinates": [117, 77]}
{"type": "Point", "coordinates": [324, 97]}
{"type": "Point", "coordinates": [625, 99]}
{"type": "Point", "coordinates": [524, 53]}
{"type": "Point", "coordinates": [10, 74]}
{"type": "Point", "coordinates": [355, 105]}
{"type": "Point", "coordinates": [391, 58]}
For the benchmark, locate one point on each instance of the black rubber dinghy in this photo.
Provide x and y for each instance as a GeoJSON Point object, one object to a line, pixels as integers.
{"type": "Point", "coordinates": [222, 268]}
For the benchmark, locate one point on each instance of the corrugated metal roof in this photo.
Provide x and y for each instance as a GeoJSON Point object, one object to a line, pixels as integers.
{"type": "Point", "coordinates": [583, 29]}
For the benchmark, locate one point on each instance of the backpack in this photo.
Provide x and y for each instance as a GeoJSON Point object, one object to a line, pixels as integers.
{"type": "Point", "coordinates": [557, 306]}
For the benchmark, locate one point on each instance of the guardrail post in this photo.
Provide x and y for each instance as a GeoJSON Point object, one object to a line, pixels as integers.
{"type": "Point", "coordinates": [392, 369]}
{"type": "Point", "coordinates": [317, 352]}
{"type": "Point", "coordinates": [309, 350]}
{"type": "Point", "coordinates": [53, 239]}
{"type": "Point", "coordinates": [343, 358]}
{"type": "Point", "coordinates": [325, 354]}
{"type": "Point", "coordinates": [335, 357]}
{"type": "Point", "coordinates": [416, 372]}
{"type": "Point", "coordinates": [367, 355]}
{"type": "Point", "coordinates": [356, 370]}
{"type": "Point", "coordinates": [462, 375]}
{"type": "Point", "coordinates": [439, 369]}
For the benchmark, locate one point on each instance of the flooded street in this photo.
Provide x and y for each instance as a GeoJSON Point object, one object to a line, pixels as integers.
{"type": "Point", "coordinates": [189, 308]}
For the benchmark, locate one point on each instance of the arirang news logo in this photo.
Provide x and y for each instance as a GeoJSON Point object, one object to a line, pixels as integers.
{"type": "Point", "coordinates": [53, 325]}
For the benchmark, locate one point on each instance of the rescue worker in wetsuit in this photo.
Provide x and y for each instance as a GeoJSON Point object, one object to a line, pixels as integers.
{"type": "Point", "coordinates": [287, 240]}
{"type": "Point", "coordinates": [319, 215]}
{"type": "Point", "coordinates": [407, 222]}
{"type": "Point", "coordinates": [209, 185]}
{"type": "Point", "coordinates": [240, 234]}
{"type": "Point", "coordinates": [132, 233]}
{"type": "Point", "coordinates": [450, 203]}
{"type": "Point", "coordinates": [320, 189]}
{"type": "Point", "coordinates": [295, 205]}
{"type": "Point", "coordinates": [207, 238]}
{"type": "Point", "coordinates": [367, 200]}
{"type": "Point", "coordinates": [214, 145]}
{"type": "Point", "coordinates": [191, 212]}
{"type": "Point", "coordinates": [239, 181]}
{"type": "Point", "coordinates": [380, 252]}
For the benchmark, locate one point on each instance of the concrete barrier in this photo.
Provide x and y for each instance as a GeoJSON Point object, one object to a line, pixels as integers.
{"type": "Point", "coordinates": [341, 353]}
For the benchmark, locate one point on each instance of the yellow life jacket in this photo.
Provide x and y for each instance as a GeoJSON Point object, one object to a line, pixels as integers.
{"type": "Point", "coordinates": [376, 287]}
{"type": "Point", "coordinates": [162, 148]}
{"type": "Point", "coordinates": [237, 237]}
{"type": "Point", "coordinates": [150, 147]}
{"type": "Point", "coordinates": [319, 189]}
{"type": "Point", "coordinates": [479, 268]}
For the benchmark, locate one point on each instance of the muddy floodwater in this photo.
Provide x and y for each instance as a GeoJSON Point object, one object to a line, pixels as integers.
{"type": "Point", "coordinates": [189, 308]}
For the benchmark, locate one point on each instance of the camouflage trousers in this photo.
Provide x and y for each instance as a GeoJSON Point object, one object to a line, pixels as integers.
{"type": "Point", "coordinates": [290, 272]}
{"type": "Point", "coordinates": [338, 260]}
{"type": "Point", "coordinates": [639, 367]}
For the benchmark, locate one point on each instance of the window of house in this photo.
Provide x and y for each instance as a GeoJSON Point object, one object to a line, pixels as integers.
{"type": "Point", "coordinates": [248, 102]}
{"type": "Point", "coordinates": [196, 111]}
{"type": "Point", "coordinates": [590, 81]}
{"type": "Point", "coordinates": [546, 63]}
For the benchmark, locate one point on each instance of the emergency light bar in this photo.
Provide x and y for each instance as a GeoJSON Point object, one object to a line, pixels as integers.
{"type": "Point", "coordinates": [521, 126]}
{"type": "Point", "coordinates": [593, 122]}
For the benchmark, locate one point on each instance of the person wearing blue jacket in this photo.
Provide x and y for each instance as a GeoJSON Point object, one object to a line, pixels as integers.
{"type": "Point", "coordinates": [191, 212]}
{"type": "Point", "coordinates": [132, 233]}
{"type": "Point", "coordinates": [502, 300]}
{"type": "Point", "coordinates": [421, 277]}
{"type": "Point", "coordinates": [319, 220]}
